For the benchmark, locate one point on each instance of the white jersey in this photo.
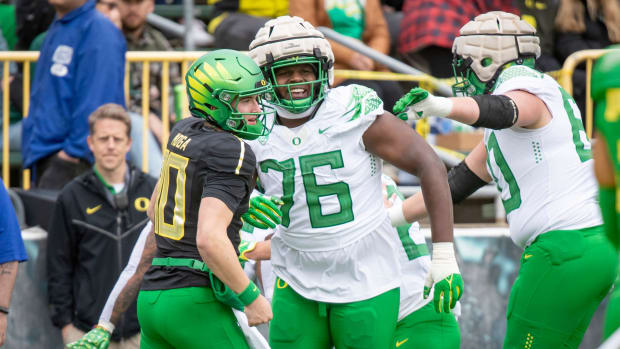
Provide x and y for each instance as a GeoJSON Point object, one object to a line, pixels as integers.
{"type": "Point", "coordinates": [545, 175]}
{"type": "Point", "coordinates": [331, 188]}
{"type": "Point", "coordinates": [414, 260]}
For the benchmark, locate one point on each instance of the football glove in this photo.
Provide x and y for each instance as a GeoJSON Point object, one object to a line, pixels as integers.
{"type": "Point", "coordinates": [264, 212]}
{"type": "Point", "coordinates": [97, 338]}
{"type": "Point", "coordinates": [244, 247]}
{"type": "Point", "coordinates": [419, 103]}
{"type": "Point", "coordinates": [446, 277]}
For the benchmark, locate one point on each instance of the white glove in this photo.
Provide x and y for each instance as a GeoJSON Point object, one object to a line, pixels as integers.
{"type": "Point", "coordinates": [419, 103]}
{"type": "Point", "coordinates": [445, 276]}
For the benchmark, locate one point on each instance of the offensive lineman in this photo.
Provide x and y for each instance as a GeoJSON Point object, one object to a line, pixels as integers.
{"type": "Point", "coordinates": [333, 254]}
{"type": "Point", "coordinates": [536, 151]}
{"type": "Point", "coordinates": [606, 95]}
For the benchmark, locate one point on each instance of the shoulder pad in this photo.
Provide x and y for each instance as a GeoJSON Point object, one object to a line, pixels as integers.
{"type": "Point", "coordinates": [518, 71]}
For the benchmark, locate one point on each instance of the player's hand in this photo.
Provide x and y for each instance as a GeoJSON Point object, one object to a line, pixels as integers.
{"type": "Point", "coordinates": [245, 247]}
{"type": "Point", "coordinates": [446, 277]}
{"type": "Point", "coordinates": [419, 103]}
{"type": "Point", "coordinates": [97, 338]}
{"type": "Point", "coordinates": [259, 311]}
{"type": "Point", "coordinates": [264, 212]}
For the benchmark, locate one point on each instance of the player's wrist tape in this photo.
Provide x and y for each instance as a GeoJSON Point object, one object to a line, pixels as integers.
{"type": "Point", "coordinates": [443, 251]}
{"type": "Point", "coordinates": [397, 217]}
{"type": "Point", "coordinates": [249, 295]}
{"type": "Point", "coordinates": [106, 325]}
{"type": "Point", "coordinates": [4, 310]}
{"type": "Point", "coordinates": [442, 106]}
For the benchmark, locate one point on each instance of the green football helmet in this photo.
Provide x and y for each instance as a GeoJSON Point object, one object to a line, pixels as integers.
{"type": "Point", "coordinates": [286, 41]}
{"type": "Point", "coordinates": [215, 84]}
{"type": "Point", "coordinates": [488, 45]}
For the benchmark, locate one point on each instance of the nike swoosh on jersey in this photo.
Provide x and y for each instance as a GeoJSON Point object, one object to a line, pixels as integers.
{"type": "Point", "coordinates": [527, 256]}
{"type": "Point", "coordinates": [399, 343]}
{"type": "Point", "coordinates": [91, 210]}
{"type": "Point", "coordinates": [323, 130]}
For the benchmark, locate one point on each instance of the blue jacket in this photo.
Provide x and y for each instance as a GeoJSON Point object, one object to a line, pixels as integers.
{"type": "Point", "coordinates": [11, 243]}
{"type": "Point", "coordinates": [81, 67]}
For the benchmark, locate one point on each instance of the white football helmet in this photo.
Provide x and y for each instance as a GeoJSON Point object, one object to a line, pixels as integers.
{"type": "Point", "coordinates": [486, 46]}
{"type": "Point", "coordinates": [286, 41]}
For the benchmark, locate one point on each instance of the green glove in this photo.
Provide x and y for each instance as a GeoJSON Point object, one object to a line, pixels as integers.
{"type": "Point", "coordinates": [446, 277]}
{"type": "Point", "coordinates": [419, 103]}
{"type": "Point", "coordinates": [97, 338]}
{"type": "Point", "coordinates": [263, 212]}
{"type": "Point", "coordinates": [245, 246]}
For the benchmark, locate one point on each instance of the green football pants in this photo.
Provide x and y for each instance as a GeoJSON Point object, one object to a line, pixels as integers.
{"type": "Point", "coordinates": [425, 328]}
{"type": "Point", "coordinates": [187, 318]}
{"type": "Point", "coordinates": [612, 315]}
{"type": "Point", "coordinates": [301, 323]}
{"type": "Point", "coordinates": [564, 276]}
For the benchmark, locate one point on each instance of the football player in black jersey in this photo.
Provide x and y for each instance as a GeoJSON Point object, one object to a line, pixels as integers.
{"type": "Point", "coordinates": [207, 176]}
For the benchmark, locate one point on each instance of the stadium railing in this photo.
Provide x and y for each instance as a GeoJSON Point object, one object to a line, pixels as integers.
{"type": "Point", "coordinates": [165, 58]}
{"type": "Point", "coordinates": [186, 57]}
{"type": "Point", "coordinates": [565, 78]}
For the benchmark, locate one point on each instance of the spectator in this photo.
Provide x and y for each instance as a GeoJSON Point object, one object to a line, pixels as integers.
{"type": "Point", "coordinates": [430, 26]}
{"type": "Point", "coordinates": [141, 36]}
{"type": "Point", "coordinates": [582, 25]}
{"type": "Point", "coordinates": [96, 222]}
{"type": "Point", "coordinates": [353, 19]}
{"type": "Point", "coordinates": [236, 22]}
{"type": "Point", "coordinates": [110, 9]}
{"type": "Point", "coordinates": [81, 66]}
{"type": "Point", "coordinates": [12, 251]}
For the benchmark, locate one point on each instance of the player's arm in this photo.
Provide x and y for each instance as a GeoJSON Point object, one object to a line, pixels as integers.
{"type": "Point", "coordinates": [497, 112]}
{"type": "Point", "coordinates": [604, 171]}
{"type": "Point", "coordinates": [150, 211]}
{"type": "Point", "coordinates": [463, 179]}
{"type": "Point", "coordinates": [219, 254]}
{"type": "Point", "coordinates": [404, 148]}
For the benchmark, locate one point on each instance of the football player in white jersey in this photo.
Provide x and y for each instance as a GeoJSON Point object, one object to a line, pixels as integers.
{"type": "Point", "coordinates": [337, 274]}
{"type": "Point", "coordinates": [537, 153]}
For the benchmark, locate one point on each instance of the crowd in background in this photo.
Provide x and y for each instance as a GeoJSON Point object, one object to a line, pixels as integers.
{"type": "Point", "coordinates": [417, 32]}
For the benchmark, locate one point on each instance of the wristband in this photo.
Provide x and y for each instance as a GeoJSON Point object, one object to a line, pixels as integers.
{"type": "Point", "coordinates": [249, 295]}
{"type": "Point", "coordinates": [4, 310]}
{"type": "Point", "coordinates": [396, 214]}
{"type": "Point", "coordinates": [106, 325]}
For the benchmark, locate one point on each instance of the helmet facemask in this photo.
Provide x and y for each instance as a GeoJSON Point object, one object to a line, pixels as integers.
{"type": "Point", "coordinates": [216, 83]}
{"type": "Point", "coordinates": [318, 87]}
{"type": "Point", "coordinates": [236, 121]}
{"type": "Point", "coordinates": [467, 83]}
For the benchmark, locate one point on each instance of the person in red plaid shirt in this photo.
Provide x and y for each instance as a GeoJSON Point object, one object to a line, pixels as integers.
{"type": "Point", "coordinates": [430, 26]}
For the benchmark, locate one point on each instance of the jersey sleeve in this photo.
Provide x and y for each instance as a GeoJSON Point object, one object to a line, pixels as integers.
{"type": "Point", "coordinates": [524, 78]}
{"type": "Point", "coordinates": [357, 108]}
{"type": "Point", "coordinates": [230, 170]}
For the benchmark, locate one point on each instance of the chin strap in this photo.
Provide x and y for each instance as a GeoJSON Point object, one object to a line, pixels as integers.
{"type": "Point", "coordinates": [283, 113]}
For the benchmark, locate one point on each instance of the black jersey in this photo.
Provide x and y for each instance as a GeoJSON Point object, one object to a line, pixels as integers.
{"type": "Point", "coordinates": [200, 161]}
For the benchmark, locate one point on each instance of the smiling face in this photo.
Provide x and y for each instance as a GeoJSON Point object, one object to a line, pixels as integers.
{"type": "Point", "coordinates": [290, 81]}
{"type": "Point", "coordinates": [248, 104]}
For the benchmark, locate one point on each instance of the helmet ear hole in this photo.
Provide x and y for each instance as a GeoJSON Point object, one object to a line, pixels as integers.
{"type": "Point", "coordinates": [487, 61]}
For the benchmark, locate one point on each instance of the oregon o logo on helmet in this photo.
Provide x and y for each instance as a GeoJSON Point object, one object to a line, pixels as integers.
{"type": "Point", "coordinates": [296, 141]}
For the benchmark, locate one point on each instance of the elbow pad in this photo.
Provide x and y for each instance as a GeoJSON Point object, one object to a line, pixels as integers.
{"type": "Point", "coordinates": [463, 182]}
{"type": "Point", "coordinates": [496, 112]}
